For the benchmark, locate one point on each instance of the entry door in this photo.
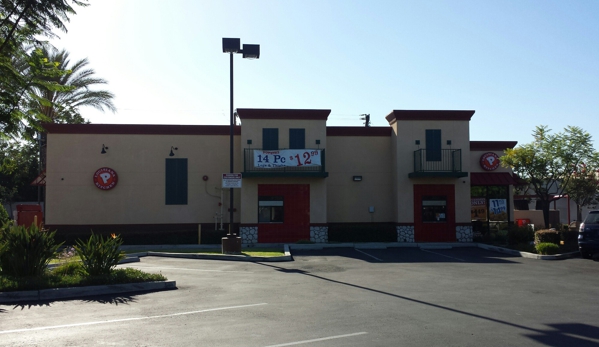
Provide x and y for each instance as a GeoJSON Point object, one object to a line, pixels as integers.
{"type": "Point", "coordinates": [434, 213]}
{"type": "Point", "coordinates": [295, 225]}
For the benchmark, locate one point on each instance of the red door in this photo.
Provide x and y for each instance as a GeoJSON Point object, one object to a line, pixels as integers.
{"type": "Point", "coordinates": [296, 210]}
{"type": "Point", "coordinates": [434, 213]}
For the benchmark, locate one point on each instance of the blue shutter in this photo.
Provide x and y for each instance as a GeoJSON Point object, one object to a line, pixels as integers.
{"type": "Point", "coordinates": [297, 138]}
{"type": "Point", "coordinates": [433, 145]}
{"type": "Point", "coordinates": [270, 138]}
{"type": "Point", "coordinates": [176, 182]}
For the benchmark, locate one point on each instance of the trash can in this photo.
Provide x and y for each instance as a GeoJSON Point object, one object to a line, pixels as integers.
{"type": "Point", "coordinates": [26, 215]}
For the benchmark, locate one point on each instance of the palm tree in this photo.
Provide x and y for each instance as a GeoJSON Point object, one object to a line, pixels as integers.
{"type": "Point", "coordinates": [62, 106]}
{"type": "Point", "coordinates": [72, 90]}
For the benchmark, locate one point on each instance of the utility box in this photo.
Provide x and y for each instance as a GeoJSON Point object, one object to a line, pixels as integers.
{"type": "Point", "coordinates": [26, 215]}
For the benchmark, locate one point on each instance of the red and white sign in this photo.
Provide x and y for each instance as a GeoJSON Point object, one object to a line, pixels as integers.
{"type": "Point", "coordinates": [105, 178]}
{"type": "Point", "coordinates": [287, 157]}
{"type": "Point", "coordinates": [231, 180]}
{"type": "Point", "coordinates": [489, 161]}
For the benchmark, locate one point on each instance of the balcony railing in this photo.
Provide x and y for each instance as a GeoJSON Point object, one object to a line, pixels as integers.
{"type": "Point", "coordinates": [299, 167]}
{"type": "Point", "coordinates": [438, 163]}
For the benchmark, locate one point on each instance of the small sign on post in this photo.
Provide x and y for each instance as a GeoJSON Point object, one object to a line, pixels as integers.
{"type": "Point", "coordinates": [231, 180]}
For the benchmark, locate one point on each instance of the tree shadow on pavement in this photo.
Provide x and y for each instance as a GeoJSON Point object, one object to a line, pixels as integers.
{"type": "Point", "coordinates": [566, 334]}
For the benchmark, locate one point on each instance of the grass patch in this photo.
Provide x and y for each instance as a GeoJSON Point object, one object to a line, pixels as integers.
{"type": "Point", "coordinates": [70, 275]}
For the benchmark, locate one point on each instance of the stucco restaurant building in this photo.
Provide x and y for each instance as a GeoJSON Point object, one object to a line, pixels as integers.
{"type": "Point", "coordinates": [420, 179]}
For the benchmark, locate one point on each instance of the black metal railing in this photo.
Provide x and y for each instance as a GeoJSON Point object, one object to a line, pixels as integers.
{"type": "Point", "coordinates": [250, 169]}
{"type": "Point", "coordinates": [444, 160]}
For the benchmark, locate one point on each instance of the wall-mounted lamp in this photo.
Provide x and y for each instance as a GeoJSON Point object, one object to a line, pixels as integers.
{"type": "Point", "coordinates": [171, 154]}
{"type": "Point", "coordinates": [357, 178]}
{"type": "Point", "coordinates": [417, 142]}
{"type": "Point", "coordinates": [104, 148]}
{"type": "Point", "coordinates": [449, 142]}
{"type": "Point", "coordinates": [318, 142]}
{"type": "Point", "coordinates": [249, 142]}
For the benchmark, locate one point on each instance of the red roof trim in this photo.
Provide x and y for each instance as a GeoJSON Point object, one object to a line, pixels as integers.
{"type": "Point", "coordinates": [460, 115]}
{"type": "Point", "coordinates": [359, 131]}
{"type": "Point", "coordinates": [492, 145]}
{"type": "Point", "coordinates": [266, 113]}
{"type": "Point", "coordinates": [141, 129]}
{"type": "Point", "coordinates": [491, 179]}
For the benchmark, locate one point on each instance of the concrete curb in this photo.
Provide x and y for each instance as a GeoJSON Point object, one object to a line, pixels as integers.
{"type": "Point", "coordinates": [378, 245]}
{"type": "Point", "coordinates": [76, 292]}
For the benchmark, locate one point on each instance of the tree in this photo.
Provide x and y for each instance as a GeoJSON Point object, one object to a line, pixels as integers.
{"type": "Point", "coordinates": [583, 188]}
{"type": "Point", "coordinates": [63, 104]}
{"type": "Point", "coordinates": [34, 18]}
{"type": "Point", "coordinates": [546, 163]}
{"type": "Point", "coordinates": [22, 24]}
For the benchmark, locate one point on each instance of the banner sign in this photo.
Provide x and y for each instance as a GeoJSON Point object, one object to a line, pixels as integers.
{"type": "Point", "coordinates": [478, 209]}
{"type": "Point", "coordinates": [287, 157]}
{"type": "Point", "coordinates": [498, 209]}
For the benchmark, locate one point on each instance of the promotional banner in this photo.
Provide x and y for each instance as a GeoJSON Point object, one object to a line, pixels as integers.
{"type": "Point", "coordinates": [498, 209]}
{"type": "Point", "coordinates": [478, 210]}
{"type": "Point", "coordinates": [287, 157]}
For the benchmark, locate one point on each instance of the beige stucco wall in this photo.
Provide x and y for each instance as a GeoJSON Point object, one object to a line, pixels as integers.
{"type": "Point", "coordinates": [251, 129]}
{"type": "Point", "coordinates": [408, 131]}
{"type": "Point", "coordinates": [366, 156]}
{"type": "Point", "coordinates": [139, 160]}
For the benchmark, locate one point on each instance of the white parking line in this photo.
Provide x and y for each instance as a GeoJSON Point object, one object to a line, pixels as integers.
{"type": "Point", "coordinates": [179, 268]}
{"type": "Point", "coordinates": [443, 255]}
{"type": "Point", "coordinates": [128, 319]}
{"type": "Point", "coordinates": [372, 256]}
{"type": "Point", "coordinates": [318, 340]}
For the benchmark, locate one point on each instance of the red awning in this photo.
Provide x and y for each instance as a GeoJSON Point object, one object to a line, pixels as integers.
{"type": "Point", "coordinates": [492, 179]}
{"type": "Point", "coordinates": [40, 180]}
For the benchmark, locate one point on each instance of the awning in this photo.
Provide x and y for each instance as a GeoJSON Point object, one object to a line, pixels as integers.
{"type": "Point", "coordinates": [492, 179]}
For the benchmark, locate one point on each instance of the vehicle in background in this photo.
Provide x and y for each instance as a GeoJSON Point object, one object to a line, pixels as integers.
{"type": "Point", "coordinates": [588, 236]}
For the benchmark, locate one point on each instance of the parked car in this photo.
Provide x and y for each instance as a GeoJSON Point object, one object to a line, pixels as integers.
{"type": "Point", "coordinates": [588, 235]}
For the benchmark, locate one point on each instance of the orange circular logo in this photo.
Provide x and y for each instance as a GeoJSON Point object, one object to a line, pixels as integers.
{"type": "Point", "coordinates": [489, 161]}
{"type": "Point", "coordinates": [105, 178]}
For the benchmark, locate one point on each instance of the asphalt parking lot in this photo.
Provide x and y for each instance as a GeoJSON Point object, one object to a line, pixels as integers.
{"type": "Point", "coordinates": [333, 297]}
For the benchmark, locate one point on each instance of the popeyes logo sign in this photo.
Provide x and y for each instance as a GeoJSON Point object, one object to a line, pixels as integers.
{"type": "Point", "coordinates": [105, 178]}
{"type": "Point", "coordinates": [489, 161]}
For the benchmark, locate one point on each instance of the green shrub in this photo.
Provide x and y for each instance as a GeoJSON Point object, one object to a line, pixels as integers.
{"type": "Point", "coordinates": [570, 237]}
{"type": "Point", "coordinates": [547, 235]}
{"type": "Point", "coordinates": [520, 235]}
{"type": "Point", "coordinates": [98, 254]}
{"type": "Point", "coordinates": [70, 268]}
{"type": "Point", "coordinates": [25, 251]}
{"type": "Point", "coordinates": [3, 215]}
{"type": "Point", "coordinates": [547, 248]}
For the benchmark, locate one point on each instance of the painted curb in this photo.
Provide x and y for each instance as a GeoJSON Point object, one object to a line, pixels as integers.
{"type": "Point", "coordinates": [76, 292]}
{"type": "Point", "coordinates": [232, 257]}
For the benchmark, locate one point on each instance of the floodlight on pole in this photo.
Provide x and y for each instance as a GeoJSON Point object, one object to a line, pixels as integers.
{"type": "Point", "coordinates": [231, 243]}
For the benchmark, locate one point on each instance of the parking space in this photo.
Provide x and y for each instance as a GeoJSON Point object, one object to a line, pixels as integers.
{"type": "Point", "coordinates": [333, 297]}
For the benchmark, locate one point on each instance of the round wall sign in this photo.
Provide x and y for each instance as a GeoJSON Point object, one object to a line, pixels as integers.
{"type": "Point", "coordinates": [489, 161]}
{"type": "Point", "coordinates": [105, 178]}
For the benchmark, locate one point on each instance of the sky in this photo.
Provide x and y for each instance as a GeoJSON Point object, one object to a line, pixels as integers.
{"type": "Point", "coordinates": [518, 64]}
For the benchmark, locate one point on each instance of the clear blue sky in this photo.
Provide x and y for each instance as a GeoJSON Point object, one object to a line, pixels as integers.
{"type": "Point", "coordinates": [518, 64]}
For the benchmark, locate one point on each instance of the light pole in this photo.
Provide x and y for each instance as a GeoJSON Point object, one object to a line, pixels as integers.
{"type": "Point", "coordinates": [232, 243]}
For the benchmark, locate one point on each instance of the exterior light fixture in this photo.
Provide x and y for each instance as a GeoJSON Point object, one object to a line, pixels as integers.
{"type": "Point", "coordinates": [249, 142]}
{"type": "Point", "coordinates": [357, 178]}
{"type": "Point", "coordinates": [104, 148]}
{"type": "Point", "coordinates": [417, 142]}
{"type": "Point", "coordinates": [172, 154]}
{"type": "Point", "coordinates": [449, 142]}
{"type": "Point", "coordinates": [231, 243]}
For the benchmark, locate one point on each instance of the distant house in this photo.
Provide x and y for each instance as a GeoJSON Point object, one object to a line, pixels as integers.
{"type": "Point", "coordinates": [420, 179]}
